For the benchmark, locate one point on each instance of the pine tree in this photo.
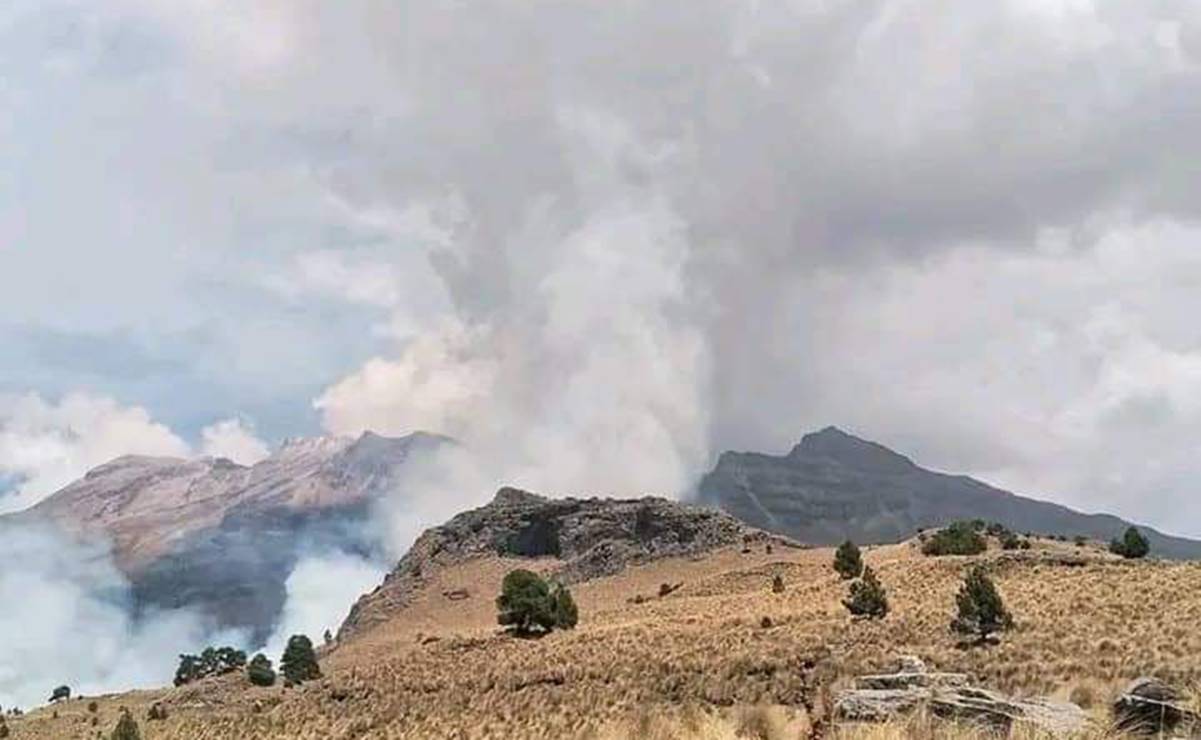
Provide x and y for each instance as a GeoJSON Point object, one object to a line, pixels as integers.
{"type": "Point", "coordinates": [980, 609]}
{"type": "Point", "coordinates": [525, 603]}
{"type": "Point", "coordinates": [867, 597]}
{"type": "Point", "coordinates": [126, 729]}
{"type": "Point", "coordinates": [847, 561]}
{"type": "Point", "coordinates": [1133, 545]}
{"type": "Point", "coordinates": [299, 661]}
{"type": "Point", "coordinates": [260, 672]}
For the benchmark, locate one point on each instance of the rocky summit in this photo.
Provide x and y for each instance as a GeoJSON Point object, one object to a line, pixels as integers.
{"type": "Point", "coordinates": [588, 538]}
{"type": "Point", "coordinates": [834, 486]}
{"type": "Point", "coordinates": [221, 538]}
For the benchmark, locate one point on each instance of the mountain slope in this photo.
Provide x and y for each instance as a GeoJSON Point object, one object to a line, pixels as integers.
{"type": "Point", "coordinates": [586, 538]}
{"type": "Point", "coordinates": [834, 486]}
{"type": "Point", "coordinates": [221, 537]}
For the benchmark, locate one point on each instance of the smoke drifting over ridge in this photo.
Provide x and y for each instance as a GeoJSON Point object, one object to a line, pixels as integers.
{"type": "Point", "coordinates": [600, 242]}
{"type": "Point", "coordinates": [662, 230]}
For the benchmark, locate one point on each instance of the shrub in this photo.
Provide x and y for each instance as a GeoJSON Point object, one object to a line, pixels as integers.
{"type": "Point", "coordinates": [1133, 545]}
{"type": "Point", "coordinates": [60, 693]}
{"type": "Point", "coordinates": [567, 614]}
{"type": "Point", "coordinates": [528, 604]}
{"type": "Point", "coordinates": [210, 662]}
{"type": "Point", "coordinates": [93, 706]}
{"type": "Point", "coordinates": [847, 561]}
{"type": "Point", "coordinates": [1080, 540]}
{"type": "Point", "coordinates": [157, 712]}
{"type": "Point", "coordinates": [1011, 542]}
{"type": "Point", "coordinates": [777, 584]}
{"type": "Point", "coordinates": [866, 597]}
{"type": "Point", "coordinates": [957, 538]}
{"type": "Point", "coordinates": [980, 609]}
{"type": "Point", "coordinates": [996, 529]}
{"type": "Point", "coordinates": [260, 672]}
{"type": "Point", "coordinates": [126, 729]}
{"type": "Point", "coordinates": [299, 661]}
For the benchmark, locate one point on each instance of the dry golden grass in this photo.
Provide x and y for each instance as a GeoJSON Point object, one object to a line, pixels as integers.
{"type": "Point", "coordinates": [697, 663]}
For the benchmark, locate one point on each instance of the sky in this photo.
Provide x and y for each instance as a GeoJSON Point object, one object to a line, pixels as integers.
{"type": "Point", "coordinates": [603, 242]}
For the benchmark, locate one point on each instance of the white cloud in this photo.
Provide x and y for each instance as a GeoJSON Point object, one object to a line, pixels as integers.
{"type": "Point", "coordinates": [235, 440]}
{"type": "Point", "coordinates": [46, 445]}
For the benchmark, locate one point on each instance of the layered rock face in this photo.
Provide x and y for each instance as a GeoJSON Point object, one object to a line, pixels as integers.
{"type": "Point", "coordinates": [590, 538]}
{"type": "Point", "coordinates": [833, 486]}
{"type": "Point", "coordinates": [221, 537]}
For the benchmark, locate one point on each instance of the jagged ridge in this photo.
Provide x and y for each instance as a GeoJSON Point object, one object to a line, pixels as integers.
{"type": "Point", "coordinates": [590, 537]}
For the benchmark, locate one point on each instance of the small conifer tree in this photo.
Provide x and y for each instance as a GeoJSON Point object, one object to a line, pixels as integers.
{"type": "Point", "coordinates": [867, 597]}
{"type": "Point", "coordinates": [981, 611]}
{"type": "Point", "coordinates": [525, 603]}
{"type": "Point", "coordinates": [260, 672]}
{"type": "Point", "coordinates": [777, 584]}
{"type": "Point", "coordinates": [847, 561]}
{"type": "Point", "coordinates": [126, 729]}
{"type": "Point", "coordinates": [299, 661]}
{"type": "Point", "coordinates": [1133, 545]}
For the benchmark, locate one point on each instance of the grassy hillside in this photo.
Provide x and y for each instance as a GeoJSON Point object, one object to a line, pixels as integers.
{"type": "Point", "coordinates": [722, 655]}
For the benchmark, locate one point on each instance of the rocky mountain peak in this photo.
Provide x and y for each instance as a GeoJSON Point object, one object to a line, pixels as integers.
{"type": "Point", "coordinates": [589, 538]}
{"type": "Point", "coordinates": [859, 454]}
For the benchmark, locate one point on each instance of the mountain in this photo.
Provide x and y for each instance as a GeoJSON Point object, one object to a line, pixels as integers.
{"type": "Point", "coordinates": [833, 486]}
{"type": "Point", "coordinates": [584, 538]}
{"type": "Point", "coordinates": [220, 537]}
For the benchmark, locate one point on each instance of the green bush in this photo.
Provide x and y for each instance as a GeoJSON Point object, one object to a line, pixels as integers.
{"type": "Point", "coordinates": [1133, 545]}
{"type": "Point", "coordinates": [957, 538]}
{"type": "Point", "coordinates": [528, 604]}
{"type": "Point", "coordinates": [211, 662]}
{"type": "Point", "coordinates": [847, 561]}
{"type": "Point", "coordinates": [981, 612]}
{"type": "Point", "coordinates": [126, 729]}
{"type": "Point", "coordinates": [299, 661]}
{"type": "Point", "coordinates": [866, 597]}
{"type": "Point", "coordinates": [996, 529]}
{"type": "Point", "coordinates": [1011, 541]}
{"type": "Point", "coordinates": [260, 672]}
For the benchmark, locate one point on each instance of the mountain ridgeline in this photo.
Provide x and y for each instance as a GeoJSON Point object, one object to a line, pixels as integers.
{"type": "Point", "coordinates": [222, 538]}
{"type": "Point", "coordinates": [833, 486]}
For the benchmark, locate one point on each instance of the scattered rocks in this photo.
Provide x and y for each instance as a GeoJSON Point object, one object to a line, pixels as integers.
{"type": "Point", "coordinates": [880, 697]}
{"type": "Point", "coordinates": [1150, 706]}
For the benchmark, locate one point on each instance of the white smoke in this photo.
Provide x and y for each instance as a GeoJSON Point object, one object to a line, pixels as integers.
{"type": "Point", "coordinates": [320, 592]}
{"type": "Point", "coordinates": [67, 620]}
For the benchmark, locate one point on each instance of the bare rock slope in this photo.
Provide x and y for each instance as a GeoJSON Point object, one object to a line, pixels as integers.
{"type": "Point", "coordinates": [221, 537]}
{"type": "Point", "coordinates": [590, 538]}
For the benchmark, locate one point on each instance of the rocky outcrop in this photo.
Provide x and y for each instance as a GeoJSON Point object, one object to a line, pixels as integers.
{"type": "Point", "coordinates": [221, 538]}
{"type": "Point", "coordinates": [589, 538]}
{"type": "Point", "coordinates": [1149, 706]}
{"type": "Point", "coordinates": [879, 698]}
{"type": "Point", "coordinates": [834, 486]}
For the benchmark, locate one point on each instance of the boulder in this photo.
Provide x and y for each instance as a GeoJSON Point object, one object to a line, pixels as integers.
{"type": "Point", "coordinates": [1150, 706]}
{"type": "Point", "coordinates": [880, 697]}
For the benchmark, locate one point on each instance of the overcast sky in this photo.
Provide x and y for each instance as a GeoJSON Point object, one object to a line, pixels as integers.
{"type": "Point", "coordinates": [608, 240]}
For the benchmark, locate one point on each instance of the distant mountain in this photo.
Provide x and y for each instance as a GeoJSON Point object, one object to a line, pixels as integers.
{"type": "Point", "coordinates": [834, 486]}
{"type": "Point", "coordinates": [221, 537]}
